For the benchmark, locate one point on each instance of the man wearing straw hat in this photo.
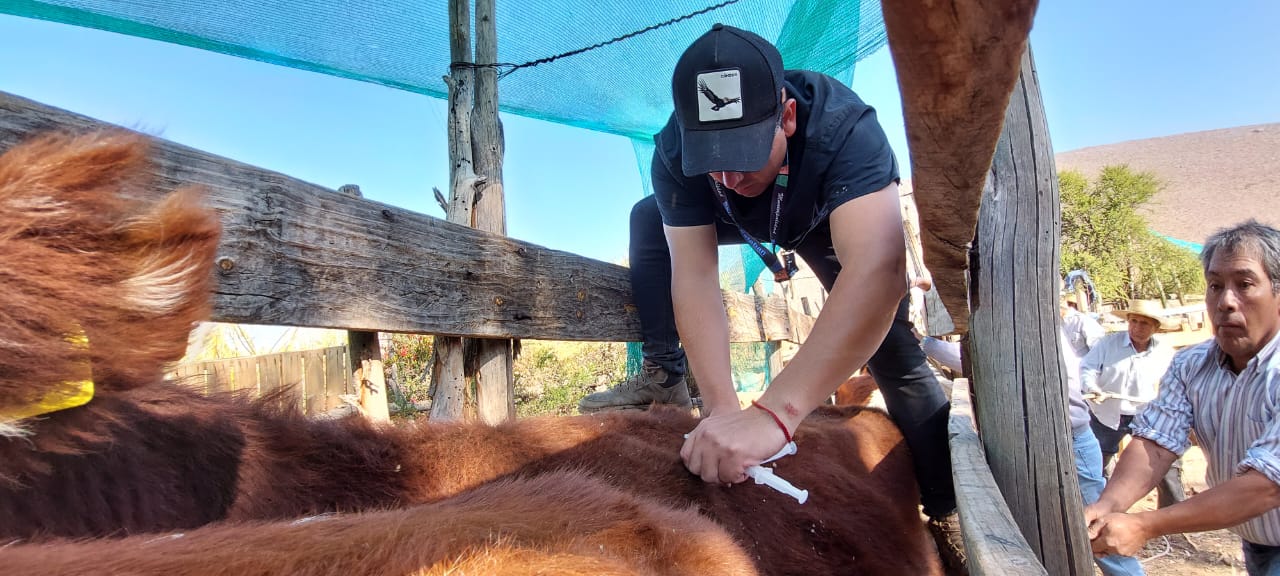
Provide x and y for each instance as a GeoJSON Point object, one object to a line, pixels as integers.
{"type": "Point", "coordinates": [1121, 373]}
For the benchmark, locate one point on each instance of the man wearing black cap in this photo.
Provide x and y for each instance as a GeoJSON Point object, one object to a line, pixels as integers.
{"type": "Point", "coordinates": [795, 160]}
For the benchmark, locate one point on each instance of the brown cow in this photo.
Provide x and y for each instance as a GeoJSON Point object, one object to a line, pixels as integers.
{"type": "Point", "coordinates": [501, 527]}
{"type": "Point", "coordinates": [81, 258]}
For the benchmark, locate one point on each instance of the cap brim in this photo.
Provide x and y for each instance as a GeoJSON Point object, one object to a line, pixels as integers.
{"type": "Point", "coordinates": [741, 149]}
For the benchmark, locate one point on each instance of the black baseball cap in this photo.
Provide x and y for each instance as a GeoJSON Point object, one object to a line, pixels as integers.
{"type": "Point", "coordinates": [727, 89]}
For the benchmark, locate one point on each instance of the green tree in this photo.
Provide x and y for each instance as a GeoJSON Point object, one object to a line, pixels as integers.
{"type": "Point", "coordinates": [1103, 233]}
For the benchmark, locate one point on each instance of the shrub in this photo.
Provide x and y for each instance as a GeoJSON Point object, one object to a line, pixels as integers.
{"type": "Point", "coordinates": [550, 377]}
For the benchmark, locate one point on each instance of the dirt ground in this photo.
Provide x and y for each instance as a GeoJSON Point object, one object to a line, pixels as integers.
{"type": "Point", "coordinates": [1214, 553]}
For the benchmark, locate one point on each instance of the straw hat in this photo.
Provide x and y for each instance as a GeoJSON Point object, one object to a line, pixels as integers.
{"type": "Point", "coordinates": [1150, 309]}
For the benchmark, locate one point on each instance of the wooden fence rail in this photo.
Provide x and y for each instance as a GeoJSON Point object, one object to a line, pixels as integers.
{"type": "Point", "coordinates": [991, 537]}
{"type": "Point", "coordinates": [297, 254]}
{"type": "Point", "coordinates": [317, 377]}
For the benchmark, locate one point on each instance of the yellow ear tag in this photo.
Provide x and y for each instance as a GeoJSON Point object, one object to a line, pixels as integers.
{"type": "Point", "coordinates": [67, 395]}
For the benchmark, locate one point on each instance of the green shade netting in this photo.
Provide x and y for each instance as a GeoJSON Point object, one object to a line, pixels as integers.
{"type": "Point", "coordinates": [622, 88]}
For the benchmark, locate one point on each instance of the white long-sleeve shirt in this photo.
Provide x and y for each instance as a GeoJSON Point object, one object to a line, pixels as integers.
{"type": "Point", "coordinates": [1082, 332]}
{"type": "Point", "coordinates": [1115, 367]}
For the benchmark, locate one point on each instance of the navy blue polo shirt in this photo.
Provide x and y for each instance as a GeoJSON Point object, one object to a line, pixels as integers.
{"type": "Point", "coordinates": [837, 153]}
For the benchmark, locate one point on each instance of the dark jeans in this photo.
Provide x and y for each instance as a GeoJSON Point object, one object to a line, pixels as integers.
{"type": "Point", "coordinates": [1169, 491]}
{"type": "Point", "coordinates": [911, 393]}
{"type": "Point", "coordinates": [1261, 560]}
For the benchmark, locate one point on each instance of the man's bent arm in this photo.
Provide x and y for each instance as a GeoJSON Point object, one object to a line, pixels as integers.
{"type": "Point", "coordinates": [868, 238]}
{"type": "Point", "coordinates": [1142, 464]}
{"type": "Point", "coordinates": [867, 233]}
{"type": "Point", "coordinates": [1228, 504]}
{"type": "Point", "coordinates": [700, 315]}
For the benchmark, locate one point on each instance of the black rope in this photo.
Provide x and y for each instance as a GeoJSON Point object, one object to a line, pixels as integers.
{"type": "Point", "coordinates": [508, 68]}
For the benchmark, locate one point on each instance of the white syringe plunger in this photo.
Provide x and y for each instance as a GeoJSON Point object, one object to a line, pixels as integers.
{"type": "Point", "coordinates": [766, 476]}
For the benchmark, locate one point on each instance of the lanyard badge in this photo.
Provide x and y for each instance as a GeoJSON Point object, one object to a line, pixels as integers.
{"type": "Point", "coordinates": [782, 264]}
{"type": "Point", "coordinates": [788, 267]}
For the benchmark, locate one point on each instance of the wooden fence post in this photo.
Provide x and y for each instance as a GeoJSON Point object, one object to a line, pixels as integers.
{"type": "Point", "coordinates": [495, 389]}
{"type": "Point", "coordinates": [367, 374]}
{"type": "Point", "coordinates": [448, 378]}
{"type": "Point", "coordinates": [365, 359]}
{"type": "Point", "coordinates": [1018, 372]}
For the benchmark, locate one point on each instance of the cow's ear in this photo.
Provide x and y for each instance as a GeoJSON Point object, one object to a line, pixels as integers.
{"type": "Point", "coordinates": [98, 281]}
{"type": "Point", "coordinates": [168, 252]}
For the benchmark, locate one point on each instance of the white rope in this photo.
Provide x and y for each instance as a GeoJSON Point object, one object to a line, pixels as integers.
{"type": "Point", "coordinates": [1167, 548]}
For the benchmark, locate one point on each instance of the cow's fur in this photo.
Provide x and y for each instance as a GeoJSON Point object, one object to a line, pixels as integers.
{"type": "Point", "coordinates": [78, 254]}
{"type": "Point", "coordinates": [502, 527]}
{"type": "Point", "coordinates": [859, 390]}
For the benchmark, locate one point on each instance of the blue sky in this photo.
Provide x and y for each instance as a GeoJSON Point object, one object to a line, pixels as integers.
{"type": "Point", "coordinates": [1110, 71]}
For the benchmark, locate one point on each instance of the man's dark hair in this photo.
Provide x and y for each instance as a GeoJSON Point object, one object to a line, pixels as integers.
{"type": "Point", "coordinates": [1251, 236]}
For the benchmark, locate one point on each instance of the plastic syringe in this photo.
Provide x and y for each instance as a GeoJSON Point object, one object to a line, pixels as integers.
{"type": "Point", "coordinates": [766, 476]}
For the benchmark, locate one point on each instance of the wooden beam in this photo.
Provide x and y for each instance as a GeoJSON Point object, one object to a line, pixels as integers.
{"type": "Point", "coordinates": [296, 254]}
{"type": "Point", "coordinates": [448, 377]}
{"type": "Point", "coordinates": [991, 537]}
{"type": "Point", "coordinates": [1018, 372]}
{"type": "Point", "coordinates": [956, 62]}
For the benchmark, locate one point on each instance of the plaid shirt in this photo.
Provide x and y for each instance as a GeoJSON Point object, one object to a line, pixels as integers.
{"type": "Point", "coordinates": [1236, 418]}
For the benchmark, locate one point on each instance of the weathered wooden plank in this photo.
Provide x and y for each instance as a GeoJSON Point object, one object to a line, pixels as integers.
{"type": "Point", "coordinates": [293, 377]}
{"type": "Point", "coordinates": [991, 537]}
{"type": "Point", "coordinates": [495, 382]}
{"type": "Point", "coordinates": [1018, 373]}
{"type": "Point", "coordinates": [448, 403]}
{"type": "Point", "coordinates": [313, 387]}
{"type": "Point", "coordinates": [297, 254]}
{"type": "Point", "coordinates": [335, 377]}
{"type": "Point", "coordinates": [219, 377]}
{"type": "Point", "coordinates": [192, 375]}
{"type": "Point", "coordinates": [270, 373]}
{"type": "Point", "coordinates": [245, 375]}
{"type": "Point", "coordinates": [956, 64]}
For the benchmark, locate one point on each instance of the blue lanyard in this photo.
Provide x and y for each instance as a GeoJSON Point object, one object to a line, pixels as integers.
{"type": "Point", "coordinates": [784, 269]}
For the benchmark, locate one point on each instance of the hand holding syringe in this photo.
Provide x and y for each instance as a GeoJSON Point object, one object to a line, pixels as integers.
{"type": "Point", "coordinates": [767, 477]}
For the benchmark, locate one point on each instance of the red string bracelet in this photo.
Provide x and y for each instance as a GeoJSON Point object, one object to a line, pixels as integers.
{"type": "Point", "coordinates": [775, 419]}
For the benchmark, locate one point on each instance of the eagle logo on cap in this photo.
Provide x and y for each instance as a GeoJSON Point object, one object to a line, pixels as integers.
{"type": "Point", "coordinates": [716, 102]}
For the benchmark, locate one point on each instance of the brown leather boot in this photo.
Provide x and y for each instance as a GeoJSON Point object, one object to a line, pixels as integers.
{"type": "Point", "coordinates": [946, 536]}
{"type": "Point", "coordinates": [640, 391]}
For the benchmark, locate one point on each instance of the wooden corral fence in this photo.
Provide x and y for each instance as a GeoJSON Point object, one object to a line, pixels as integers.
{"type": "Point", "coordinates": [297, 254]}
{"type": "Point", "coordinates": [986, 189]}
{"type": "Point", "coordinates": [318, 377]}
{"type": "Point", "coordinates": [991, 536]}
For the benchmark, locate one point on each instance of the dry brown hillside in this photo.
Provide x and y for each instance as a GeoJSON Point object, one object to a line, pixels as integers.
{"type": "Point", "coordinates": [1211, 179]}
